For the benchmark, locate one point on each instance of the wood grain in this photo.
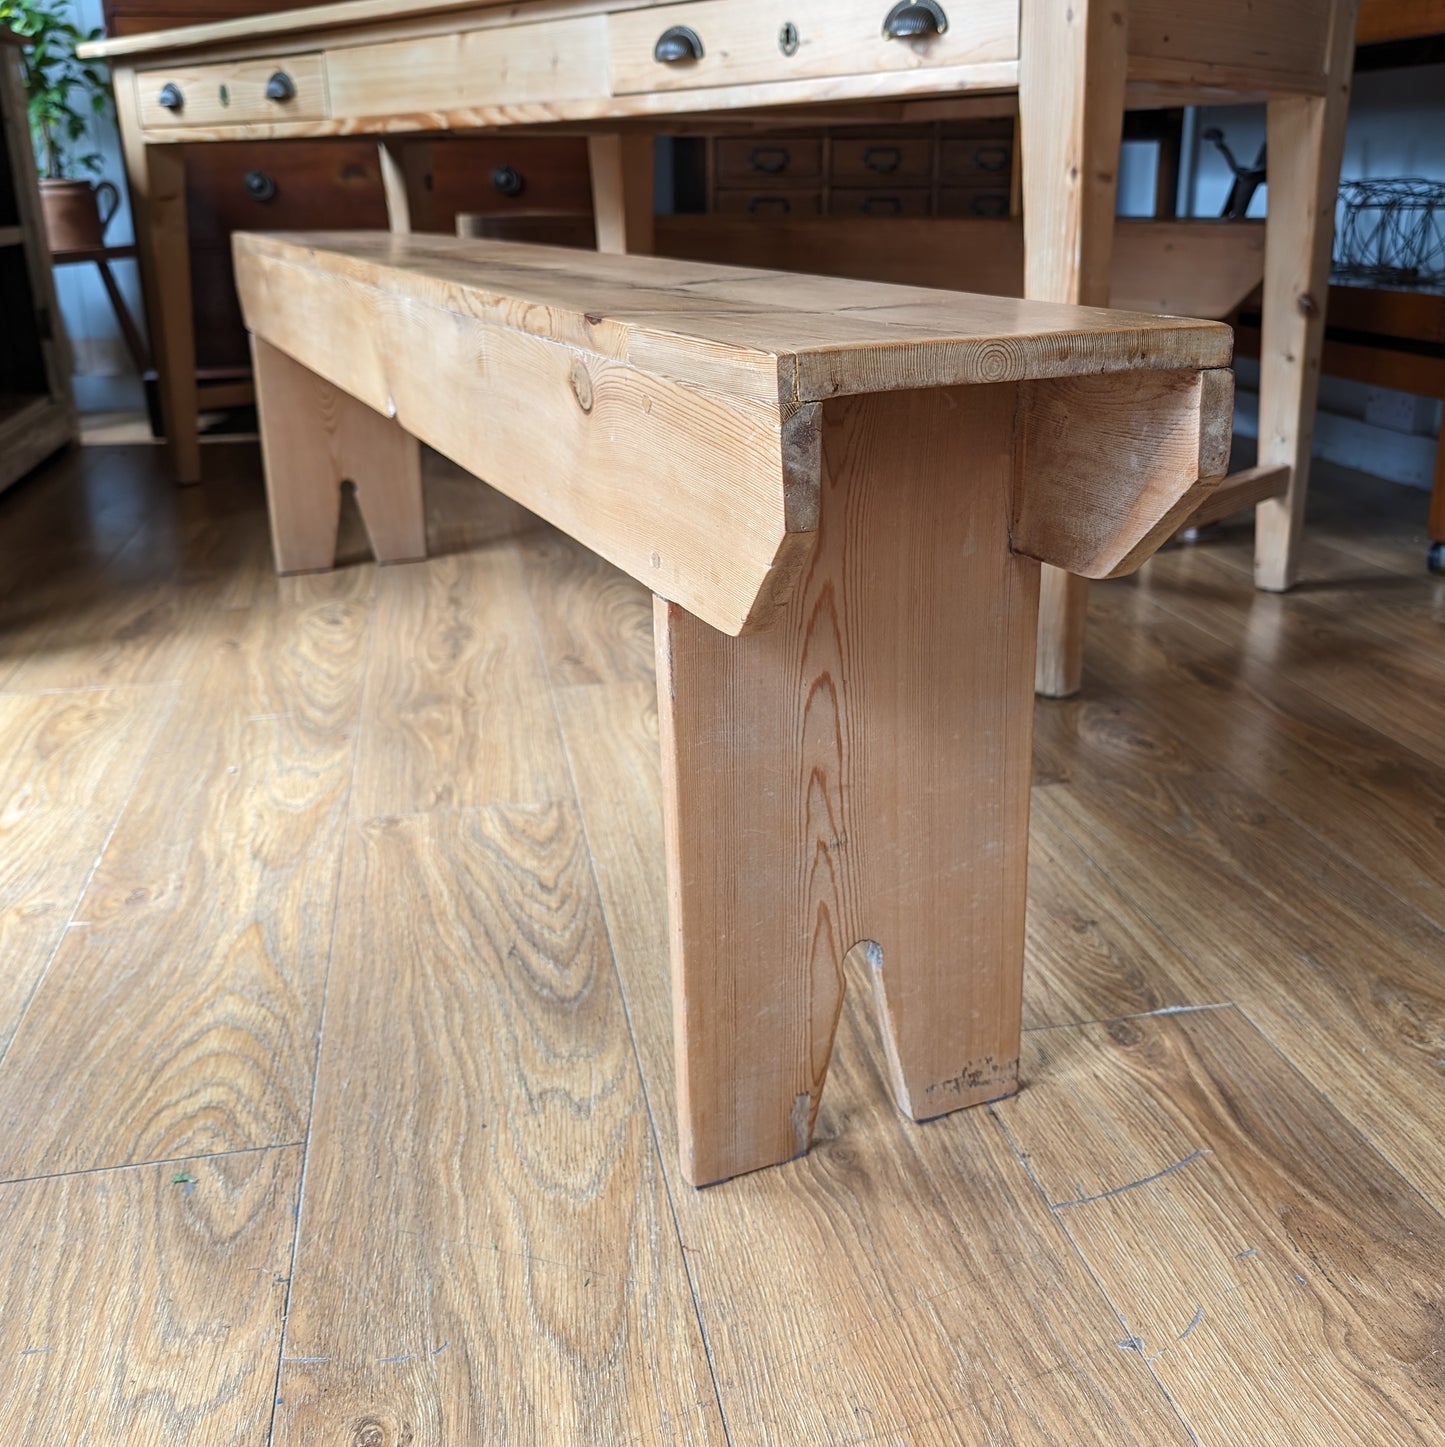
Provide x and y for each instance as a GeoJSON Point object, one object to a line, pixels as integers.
{"type": "Point", "coordinates": [1109, 468]}
{"type": "Point", "coordinates": [1306, 136]}
{"type": "Point", "coordinates": [1072, 70]}
{"type": "Point", "coordinates": [856, 778]}
{"type": "Point", "coordinates": [1303, 1271]}
{"type": "Point", "coordinates": [840, 1303]}
{"type": "Point", "coordinates": [146, 1305]}
{"type": "Point", "coordinates": [66, 771]}
{"type": "Point", "coordinates": [594, 624]}
{"type": "Point", "coordinates": [457, 710]}
{"type": "Point", "coordinates": [215, 969]}
{"type": "Point", "coordinates": [518, 1263]}
{"type": "Point", "coordinates": [1185, 268]}
{"type": "Point", "coordinates": [314, 438]}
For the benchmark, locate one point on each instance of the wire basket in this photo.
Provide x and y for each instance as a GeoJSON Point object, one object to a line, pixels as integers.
{"type": "Point", "coordinates": [1392, 230]}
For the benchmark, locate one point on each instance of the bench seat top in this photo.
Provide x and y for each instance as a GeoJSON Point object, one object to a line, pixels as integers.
{"type": "Point", "coordinates": [671, 415]}
{"type": "Point", "coordinates": [749, 332]}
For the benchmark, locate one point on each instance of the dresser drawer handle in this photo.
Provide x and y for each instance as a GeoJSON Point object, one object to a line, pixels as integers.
{"type": "Point", "coordinates": [770, 160]}
{"type": "Point", "coordinates": [914, 21]}
{"type": "Point", "coordinates": [769, 205]}
{"type": "Point", "coordinates": [991, 158]}
{"type": "Point", "coordinates": [882, 206]}
{"type": "Point", "coordinates": [676, 45]}
{"type": "Point", "coordinates": [280, 87]}
{"type": "Point", "coordinates": [260, 186]}
{"type": "Point", "coordinates": [170, 97]}
{"type": "Point", "coordinates": [509, 181]}
{"type": "Point", "coordinates": [883, 159]}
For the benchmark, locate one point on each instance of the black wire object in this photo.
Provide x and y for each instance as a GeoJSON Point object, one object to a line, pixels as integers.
{"type": "Point", "coordinates": [1392, 230]}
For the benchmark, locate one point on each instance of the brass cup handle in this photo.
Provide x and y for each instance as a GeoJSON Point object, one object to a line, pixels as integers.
{"type": "Point", "coordinates": [677, 45]}
{"type": "Point", "coordinates": [915, 20]}
{"type": "Point", "coordinates": [280, 87]}
{"type": "Point", "coordinates": [170, 96]}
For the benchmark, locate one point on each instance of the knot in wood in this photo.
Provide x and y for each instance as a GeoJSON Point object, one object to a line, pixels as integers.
{"type": "Point", "coordinates": [582, 385]}
{"type": "Point", "coordinates": [1307, 304]}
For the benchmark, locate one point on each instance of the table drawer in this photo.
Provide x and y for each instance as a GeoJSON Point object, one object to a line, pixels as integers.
{"type": "Point", "coordinates": [975, 158]}
{"type": "Point", "coordinates": [748, 41]}
{"type": "Point", "coordinates": [973, 200]}
{"type": "Point", "coordinates": [763, 160]}
{"type": "Point", "coordinates": [879, 201]}
{"type": "Point", "coordinates": [771, 205]}
{"type": "Point", "coordinates": [554, 60]}
{"type": "Point", "coordinates": [892, 161]}
{"type": "Point", "coordinates": [233, 93]}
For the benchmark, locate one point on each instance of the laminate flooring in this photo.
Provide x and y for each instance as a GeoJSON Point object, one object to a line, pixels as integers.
{"type": "Point", "coordinates": [335, 1094]}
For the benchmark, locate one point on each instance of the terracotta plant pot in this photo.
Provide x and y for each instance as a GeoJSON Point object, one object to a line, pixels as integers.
{"type": "Point", "coordinates": [73, 219]}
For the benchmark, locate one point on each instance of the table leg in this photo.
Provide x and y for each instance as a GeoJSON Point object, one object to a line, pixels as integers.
{"type": "Point", "coordinates": [406, 179]}
{"type": "Point", "coordinates": [1435, 529]}
{"type": "Point", "coordinates": [622, 191]}
{"type": "Point", "coordinates": [157, 177]}
{"type": "Point", "coordinates": [855, 779]}
{"type": "Point", "coordinates": [1072, 69]}
{"type": "Point", "coordinates": [1306, 137]}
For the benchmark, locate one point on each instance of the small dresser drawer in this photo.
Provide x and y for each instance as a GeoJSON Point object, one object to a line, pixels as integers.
{"type": "Point", "coordinates": [879, 201]}
{"type": "Point", "coordinates": [763, 160]}
{"type": "Point", "coordinates": [972, 159]}
{"type": "Point", "coordinates": [773, 205]}
{"type": "Point", "coordinates": [746, 42]}
{"type": "Point", "coordinates": [973, 201]}
{"type": "Point", "coordinates": [233, 93]}
{"type": "Point", "coordinates": [898, 160]}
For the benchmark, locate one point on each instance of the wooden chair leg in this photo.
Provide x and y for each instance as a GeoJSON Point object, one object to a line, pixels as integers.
{"type": "Point", "coordinates": [1071, 101]}
{"type": "Point", "coordinates": [857, 777]}
{"type": "Point", "coordinates": [314, 437]}
{"type": "Point", "coordinates": [1306, 137]}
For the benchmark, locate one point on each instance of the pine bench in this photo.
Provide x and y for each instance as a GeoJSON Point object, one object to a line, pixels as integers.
{"type": "Point", "coordinates": [840, 494]}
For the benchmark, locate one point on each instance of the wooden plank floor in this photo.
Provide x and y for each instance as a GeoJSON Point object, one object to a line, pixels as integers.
{"type": "Point", "coordinates": [335, 1062]}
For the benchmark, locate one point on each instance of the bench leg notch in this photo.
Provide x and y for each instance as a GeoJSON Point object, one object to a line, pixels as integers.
{"type": "Point", "coordinates": [314, 437]}
{"type": "Point", "coordinates": [857, 778]}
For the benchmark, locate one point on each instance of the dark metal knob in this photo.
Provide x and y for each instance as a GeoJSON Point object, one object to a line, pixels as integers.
{"type": "Point", "coordinates": [170, 96]}
{"type": "Point", "coordinates": [260, 186]}
{"type": "Point", "coordinates": [509, 181]}
{"type": "Point", "coordinates": [915, 19]}
{"type": "Point", "coordinates": [677, 44]}
{"type": "Point", "coordinates": [280, 87]}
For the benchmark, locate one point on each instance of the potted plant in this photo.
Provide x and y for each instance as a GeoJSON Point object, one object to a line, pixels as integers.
{"type": "Point", "coordinates": [64, 93]}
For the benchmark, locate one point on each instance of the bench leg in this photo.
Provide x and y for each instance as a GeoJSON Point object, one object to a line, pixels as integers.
{"type": "Point", "coordinates": [314, 437]}
{"type": "Point", "coordinates": [856, 777]}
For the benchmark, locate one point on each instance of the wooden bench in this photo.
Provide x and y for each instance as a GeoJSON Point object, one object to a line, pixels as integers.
{"type": "Point", "coordinates": [840, 493]}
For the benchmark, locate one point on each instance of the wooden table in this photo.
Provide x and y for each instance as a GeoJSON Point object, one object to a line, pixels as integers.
{"type": "Point", "coordinates": [370, 67]}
